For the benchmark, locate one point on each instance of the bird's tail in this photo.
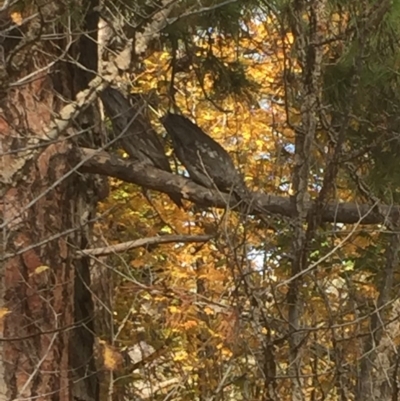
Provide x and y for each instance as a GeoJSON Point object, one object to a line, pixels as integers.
{"type": "Point", "coordinates": [177, 199]}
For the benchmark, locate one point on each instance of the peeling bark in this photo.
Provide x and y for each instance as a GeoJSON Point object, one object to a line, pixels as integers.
{"type": "Point", "coordinates": [39, 283]}
{"type": "Point", "coordinates": [41, 197]}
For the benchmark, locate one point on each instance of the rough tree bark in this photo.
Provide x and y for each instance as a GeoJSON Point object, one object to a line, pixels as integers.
{"type": "Point", "coordinates": [48, 61]}
{"type": "Point", "coordinates": [47, 334]}
{"type": "Point", "coordinates": [310, 60]}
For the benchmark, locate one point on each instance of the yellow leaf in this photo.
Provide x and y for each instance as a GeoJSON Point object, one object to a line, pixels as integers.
{"type": "Point", "coordinates": [180, 356]}
{"type": "Point", "coordinates": [167, 230]}
{"type": "Point", "coordinates": [3, 312]}
{"type": "Point", "coordinates": [227, 352]}
{"type": "Point", "coordinates": [111, 357]}
{"type": "Point", "coordinates": [39, 269]}
{"type": "Point", "coordinates": [190, 324]}
{"type": "Point", "coordinates": [16, 18]}
{"type": "Point", "coordinates": [173, 309]}
{"type": "Point", "coordinates": [208, 311]}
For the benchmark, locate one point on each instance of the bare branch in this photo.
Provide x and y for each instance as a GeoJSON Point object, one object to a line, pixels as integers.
{"type": "Point", "coordinates": [143, 242]}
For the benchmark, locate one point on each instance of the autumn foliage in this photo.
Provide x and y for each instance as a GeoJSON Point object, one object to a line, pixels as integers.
{"type": "Point", "coordinates": [256, 305]}
{"type": "Point", "coordinates": [219, 311]}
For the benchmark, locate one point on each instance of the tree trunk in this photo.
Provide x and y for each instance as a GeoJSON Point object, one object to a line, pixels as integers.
{"type": "Point", "coordinates": [45, 292]}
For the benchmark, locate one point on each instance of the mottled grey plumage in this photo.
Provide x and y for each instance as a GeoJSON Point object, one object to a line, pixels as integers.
{"type": "Point", "coordinates": [207, 162]}
{"type": "Point", "coordinates": [140, 140]}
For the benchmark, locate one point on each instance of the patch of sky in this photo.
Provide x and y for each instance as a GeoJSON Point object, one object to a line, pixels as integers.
{"type": "Point", "coordinates": [265, 104]}
{"type": "Point", "coordinates": [257, 258]}
{"type": "Point", "coordinates": [262, 260]}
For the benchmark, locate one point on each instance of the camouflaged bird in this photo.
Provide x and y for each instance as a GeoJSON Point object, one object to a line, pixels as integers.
{"type": "Point", "coordinates": [139, 141]}
{"type": "Point", "coordinates": [206, 161]}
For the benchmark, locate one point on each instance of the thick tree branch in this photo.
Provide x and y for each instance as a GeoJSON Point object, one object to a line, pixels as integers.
{"type": "Point", "coordinates": [120, 63]}
{"type": "Point", "coordinates": [152, 178]}
{"type": "Point", "coordinates": [143, 242]}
